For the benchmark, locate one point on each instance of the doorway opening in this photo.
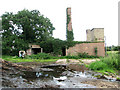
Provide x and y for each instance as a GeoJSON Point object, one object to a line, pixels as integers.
{"type": "Point", "coordinates": [36, 50]}
{"type": "Point", "coordinates": [64, 51]}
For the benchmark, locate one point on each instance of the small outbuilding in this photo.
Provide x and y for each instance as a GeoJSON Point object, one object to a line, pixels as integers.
{"type": "Point", "coordinates": [34, 49]}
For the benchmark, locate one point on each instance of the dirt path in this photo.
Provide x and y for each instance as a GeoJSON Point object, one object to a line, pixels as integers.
{"type": "Point", "coordinates": [76, 61]}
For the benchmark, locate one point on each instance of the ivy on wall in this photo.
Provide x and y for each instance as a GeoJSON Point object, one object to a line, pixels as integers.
{"type": "Point", "coordinates": [69, 35]}
{"type": "Point", "coordinates": [68, 19]}
{"type": "Point", "coordinates": [95, 51]}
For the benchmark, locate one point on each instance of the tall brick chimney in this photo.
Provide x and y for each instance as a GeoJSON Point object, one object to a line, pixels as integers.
{"type": "Point", "coordinates": [69, 20]}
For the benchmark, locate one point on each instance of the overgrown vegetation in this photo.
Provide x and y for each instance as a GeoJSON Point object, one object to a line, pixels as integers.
{"type": "Point", "coordinates": [69, 36]}
{"type": "Point", "coordinates": [113, 48]}
{"type": "Point", "coordinates": [96, 51]}
{"type": "Point", "coordinates": [109, 63]}
{"type": "Point", "coordinates": [55, 46]}
{"type": "Point", "coordinates": [49, 56]}
{"type": "Point", "coordinates": [22, 28]}
{"type": "Point", "coordinates": [44, 57]}
{"type": "Point", "coordinates": [30, 27]}
{"type": "Point", "coordinates": [40, 56]}
{"type": "Point", "coordinates": [16, 59]}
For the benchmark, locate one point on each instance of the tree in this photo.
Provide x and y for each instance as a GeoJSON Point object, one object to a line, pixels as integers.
{"type": "Point", "coordinates": [24, 27]}
{"type": "Point", "coordinates": [53, 46]}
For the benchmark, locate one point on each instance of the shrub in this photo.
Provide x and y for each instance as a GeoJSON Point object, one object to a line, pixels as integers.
{"type": "Point", "coordinates": [85, 55]}
{"type": "Point", "coordinates": [109, 63]}
{"type": "Point", "coordinates": [98, 65]}
{"type": "Point", "coordinates": [39, 56]}
{"type": "Point", "coordinates": [112, 60]}
{"type": "Point", "coordinates": [96, 51]}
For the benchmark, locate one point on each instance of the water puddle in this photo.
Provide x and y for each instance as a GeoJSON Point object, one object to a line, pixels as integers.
{"type": "Point", "coordinates": [45, 73]}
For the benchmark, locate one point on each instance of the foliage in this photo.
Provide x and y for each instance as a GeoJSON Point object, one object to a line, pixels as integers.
{"type": "Point", "coordinates": [16, 59]}
{"type": "Point", "coordinates": [24, 27]}
{"type": "Point", "coordinates": [113, 48]}
{"type": "Point", "coordinates": [73, 43]}
{"type": "Point", "coordinates": [98, 65]}
{"type": "Point", "coordinates": [95, 51]}
{"type": "Point", "coordinates": [39, 56]}
{"type": "Point", "coordinates": [85, 55]}
{"type": "Point", "coordinates": [12, 44]}
{"type": "Point", "coordinates": [53, 46]}
{"type": "Point", "coordinates": [68, 19]}
{"type": "Point", "coordinates": [109, 63]}
{"type": "Point", "coordinates": [69, 35]}
{"type": "Point", "coordinates": [112, 60]}
{"type": "Point", "coordinates": [118, 79]}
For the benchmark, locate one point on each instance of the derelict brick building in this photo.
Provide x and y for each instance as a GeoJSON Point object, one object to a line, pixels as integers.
{"type": "Point", "coordinates": [95, 38]}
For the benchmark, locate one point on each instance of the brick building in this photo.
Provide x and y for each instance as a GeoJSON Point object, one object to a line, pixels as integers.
{"type": "Point", "coordinates": [94, 36]}
{"type": "Point", "coordinates": [95, 39]}
{"type": "Point", "coordinates": [34, 49]}
{"type": "Point", "coordinates": [88, 48]}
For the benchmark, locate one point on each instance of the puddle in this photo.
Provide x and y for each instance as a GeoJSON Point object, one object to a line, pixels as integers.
{"type": "Point", "coordinates": [45, 74]}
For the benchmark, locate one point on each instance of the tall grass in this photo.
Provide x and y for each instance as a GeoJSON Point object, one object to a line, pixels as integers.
{"type": "Point", "coordinates": [109, 63]}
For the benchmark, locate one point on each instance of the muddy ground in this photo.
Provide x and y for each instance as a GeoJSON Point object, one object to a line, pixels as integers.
{"type": "Point", "coordinates": [13, 76]}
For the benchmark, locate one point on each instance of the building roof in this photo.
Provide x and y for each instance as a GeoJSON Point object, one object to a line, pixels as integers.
{"type": "Point", "coordinates": [35, 46]}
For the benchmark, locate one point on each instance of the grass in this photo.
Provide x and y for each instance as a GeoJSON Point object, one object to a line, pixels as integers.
{"type": "Point", "coordinates": [16, 59]}
{"type": "Point", "coordinates": [44, 57]}
{"type": "Point", "coordinates": [109, 63]}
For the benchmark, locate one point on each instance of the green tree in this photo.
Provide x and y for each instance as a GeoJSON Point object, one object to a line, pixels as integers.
{"type": "Point", "coordinates": [23, 28]}
{"type": "Point", "coordinates": [53, 46]}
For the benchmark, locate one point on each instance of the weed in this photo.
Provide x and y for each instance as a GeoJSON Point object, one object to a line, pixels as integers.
{"type": "Point", "coordinates": [106, 64]}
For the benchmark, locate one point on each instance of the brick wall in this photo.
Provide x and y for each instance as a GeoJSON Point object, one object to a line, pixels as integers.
{"type": "Point", "coordinates": [69, 27]}
{"type": "Point", "coordinates": [87, 48]}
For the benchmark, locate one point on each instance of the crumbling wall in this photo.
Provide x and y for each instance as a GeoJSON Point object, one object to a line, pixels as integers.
{"type": "Point", "coordinates": [69, 26]}
{"type": "Point", "coordinates": [87, 48]}
{"type": "Point", "coordinates": [96, 34]}
{"type": "Point", "coordinates": [32, 48]}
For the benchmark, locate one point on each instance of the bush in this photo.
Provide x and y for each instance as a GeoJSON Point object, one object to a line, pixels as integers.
{"type": "Point", "coordinates": [49, 56]}
{"type": "Point", "coordinates": [112, 60]}
{"type": "Point", "coordinates": [71, 57]}
{"type": "Point", "coordinates": [109, 63]}
{"type": "Point", "coordinates": [85, 55]}
{"type": "Point", "coordinates": [39, 56]}
{"type": "Point", "coordinates": [98, 65]}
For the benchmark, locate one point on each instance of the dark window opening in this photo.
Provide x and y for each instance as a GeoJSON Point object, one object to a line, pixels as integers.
{"type": "Point", "coordinates": [36, 50]}
{"type": "Point", "coordinates": [64, 51]}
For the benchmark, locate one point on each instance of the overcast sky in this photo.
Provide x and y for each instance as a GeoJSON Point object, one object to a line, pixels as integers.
{"type": "Point", "coordinates": [86, 14]}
